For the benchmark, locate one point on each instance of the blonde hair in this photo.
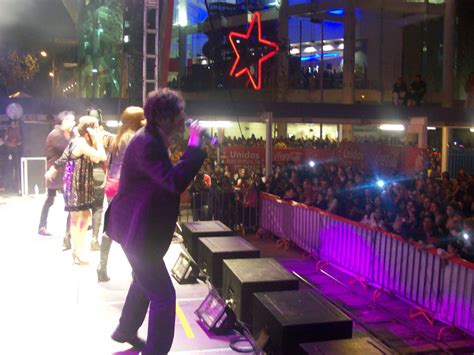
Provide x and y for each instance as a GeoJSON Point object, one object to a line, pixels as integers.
{"type": "Point", "coordinates": [131, 118]}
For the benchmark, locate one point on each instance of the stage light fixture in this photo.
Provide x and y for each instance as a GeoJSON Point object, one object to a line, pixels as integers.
{"type": "Point", "coordinates": [380, 183]}
{"type": "Point", "coordinates": [185, 270]}
{"type": "Point", "coordinates": [215, 314]}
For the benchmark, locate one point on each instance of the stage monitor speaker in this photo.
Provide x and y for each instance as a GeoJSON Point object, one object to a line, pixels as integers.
{"type": "Point", "coordinates": [212, 251]}
{"type": "Point", "coordinates": [185, 269]}
{"type": "Point", "coordinates": [194, 230]}
{"type": "Point", "coordinates": [32, 175]}
{"type": "Point", "coordinates": [215, 314]}
{"type": "Point", "coordinates": [358, 346]}
{"type": "Point", "coordinates": [244, 277]}
{"type": "Point", "coordinates": [289, 318]}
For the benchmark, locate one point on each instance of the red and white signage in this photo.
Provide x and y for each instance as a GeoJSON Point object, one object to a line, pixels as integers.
{"type": "Point", "coordinates": [376, 157]}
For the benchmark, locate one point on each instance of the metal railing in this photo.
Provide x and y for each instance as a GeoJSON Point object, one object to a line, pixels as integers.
{"type": "Point", "coordinates": [231, 208]}
{"type": "Point", "coordinates": [436, 288]}
{"type": "Point", "coordinates": [460, 158]}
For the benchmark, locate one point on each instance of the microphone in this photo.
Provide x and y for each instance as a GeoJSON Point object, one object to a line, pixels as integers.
{"type": "Point", "coordinates": [204, 133]}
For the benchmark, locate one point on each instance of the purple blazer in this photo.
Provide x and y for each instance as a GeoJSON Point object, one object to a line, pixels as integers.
{"type": "Point", "coordinates": [142, 216]}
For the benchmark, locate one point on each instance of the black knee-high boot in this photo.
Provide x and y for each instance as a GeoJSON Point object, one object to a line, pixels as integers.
{"type": "Point", "coordinates": [104, 257]}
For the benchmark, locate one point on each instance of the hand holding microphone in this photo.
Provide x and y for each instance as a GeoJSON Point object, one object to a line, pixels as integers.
{"type": "Point", "coordinates": [196, 132]}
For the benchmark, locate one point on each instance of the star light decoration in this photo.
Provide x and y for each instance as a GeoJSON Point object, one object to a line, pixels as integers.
{"type": "Point", "coordinates": [235, 38]}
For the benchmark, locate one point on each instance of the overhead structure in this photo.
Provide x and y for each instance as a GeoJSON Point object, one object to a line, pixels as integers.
{"type": "Point", "coordinates": [157, 27]}
{"type": "Point", "coordinates": [151, 26]}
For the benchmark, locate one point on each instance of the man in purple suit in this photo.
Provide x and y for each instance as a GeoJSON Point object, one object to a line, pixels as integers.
{"type": "Point", "coordinates": [142, 217]}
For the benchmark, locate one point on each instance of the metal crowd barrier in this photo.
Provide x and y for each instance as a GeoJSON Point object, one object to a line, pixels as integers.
{"type": "Point", "coordinates": [460, 158]}
{"type": "Point", "coordinates": [436, 288]}
{"type": "Point", "coordinates": [227, 207]}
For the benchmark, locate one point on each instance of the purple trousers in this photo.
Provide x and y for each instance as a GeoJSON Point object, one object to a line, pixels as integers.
{"type": "Point", "coordinates": [151, 286]}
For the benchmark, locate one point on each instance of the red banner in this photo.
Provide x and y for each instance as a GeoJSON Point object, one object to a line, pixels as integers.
{"type": "Point", "coordinates": [244, 157]}
{"type": "Point", "coordinates": [377, 157]}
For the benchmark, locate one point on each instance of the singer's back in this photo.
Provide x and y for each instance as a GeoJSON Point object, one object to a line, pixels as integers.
{"type": "Point", "coordinates": [142, 215]}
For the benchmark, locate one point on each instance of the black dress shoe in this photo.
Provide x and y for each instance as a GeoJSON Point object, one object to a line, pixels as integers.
{"type": "Point", "coordinates": [134, 340]}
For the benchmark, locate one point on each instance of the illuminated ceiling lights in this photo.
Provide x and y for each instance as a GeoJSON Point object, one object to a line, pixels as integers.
{"type": "Point", "coordinates": [328, 47]}
{"type": "Point", "coordinates": [216, 124]}
{"type": "Point", "coordinates": [294, 51]}
{"type": "Point", "coordinates": [429, 128]}
{"type": "Point", "coordinates": [392, 127]}
{"type": "Point", "coordinates": [309, 49]}
{"type": "Point", "coordinates": [471, 130]}
{"type": "Point", "coordinates": [336, 12]}
{"type": "Point", "coordinates": [318, 56]}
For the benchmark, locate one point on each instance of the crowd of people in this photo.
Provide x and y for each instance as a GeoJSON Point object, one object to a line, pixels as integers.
{"type": "Point", "coordinates": [431, 208]}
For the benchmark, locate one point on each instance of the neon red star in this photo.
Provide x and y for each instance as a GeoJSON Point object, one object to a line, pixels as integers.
{"type": "Point", "coordinates": [246, 70]}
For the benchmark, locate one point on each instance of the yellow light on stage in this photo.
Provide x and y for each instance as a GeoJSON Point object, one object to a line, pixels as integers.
{"type": "Point", "coordinates": [51, 74]}
{"type": "Point", "coordinates": [44, 54]}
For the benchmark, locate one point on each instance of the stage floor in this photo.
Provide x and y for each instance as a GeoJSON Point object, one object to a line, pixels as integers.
{"type": "Point", "coordinates": [48, 305]}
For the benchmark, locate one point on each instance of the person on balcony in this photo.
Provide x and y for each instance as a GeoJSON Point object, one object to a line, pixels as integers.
{"type": "Point", "coordinates": [399, 92]}
{"type": "Point", "coordinates": [417, 92]}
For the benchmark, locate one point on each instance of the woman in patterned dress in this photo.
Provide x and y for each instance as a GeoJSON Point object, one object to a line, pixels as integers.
{"type": "Point", "coordinates": [80, 155]}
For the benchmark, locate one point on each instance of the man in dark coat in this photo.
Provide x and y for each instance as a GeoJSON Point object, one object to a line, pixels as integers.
{"type": "Point", "coordinates": [142, 218]}
{"type": "Point", "coordinates": [56, 143]}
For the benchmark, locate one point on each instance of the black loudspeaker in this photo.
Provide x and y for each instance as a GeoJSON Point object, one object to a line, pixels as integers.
{"type": "Point", "coordinates": [212, 251]}
{"type": "Point", "coordinates": [215, 314]}
{"type": "Point", "coordinates": [194, 230]}
{"type": "Point", "coordinates": [243, 277]}
{"type": "Point", "coordinates": [359, 346]}
{"type": "Point", "coordinates": [288, 318]}
{"type": "Point", "coordinates": [185, 269]}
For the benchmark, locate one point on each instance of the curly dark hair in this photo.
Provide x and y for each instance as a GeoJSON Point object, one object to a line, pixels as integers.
{"type": "Point", "coordinates": [162, 105]}
{"type": "Point", "coordinates": [86, 122]}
